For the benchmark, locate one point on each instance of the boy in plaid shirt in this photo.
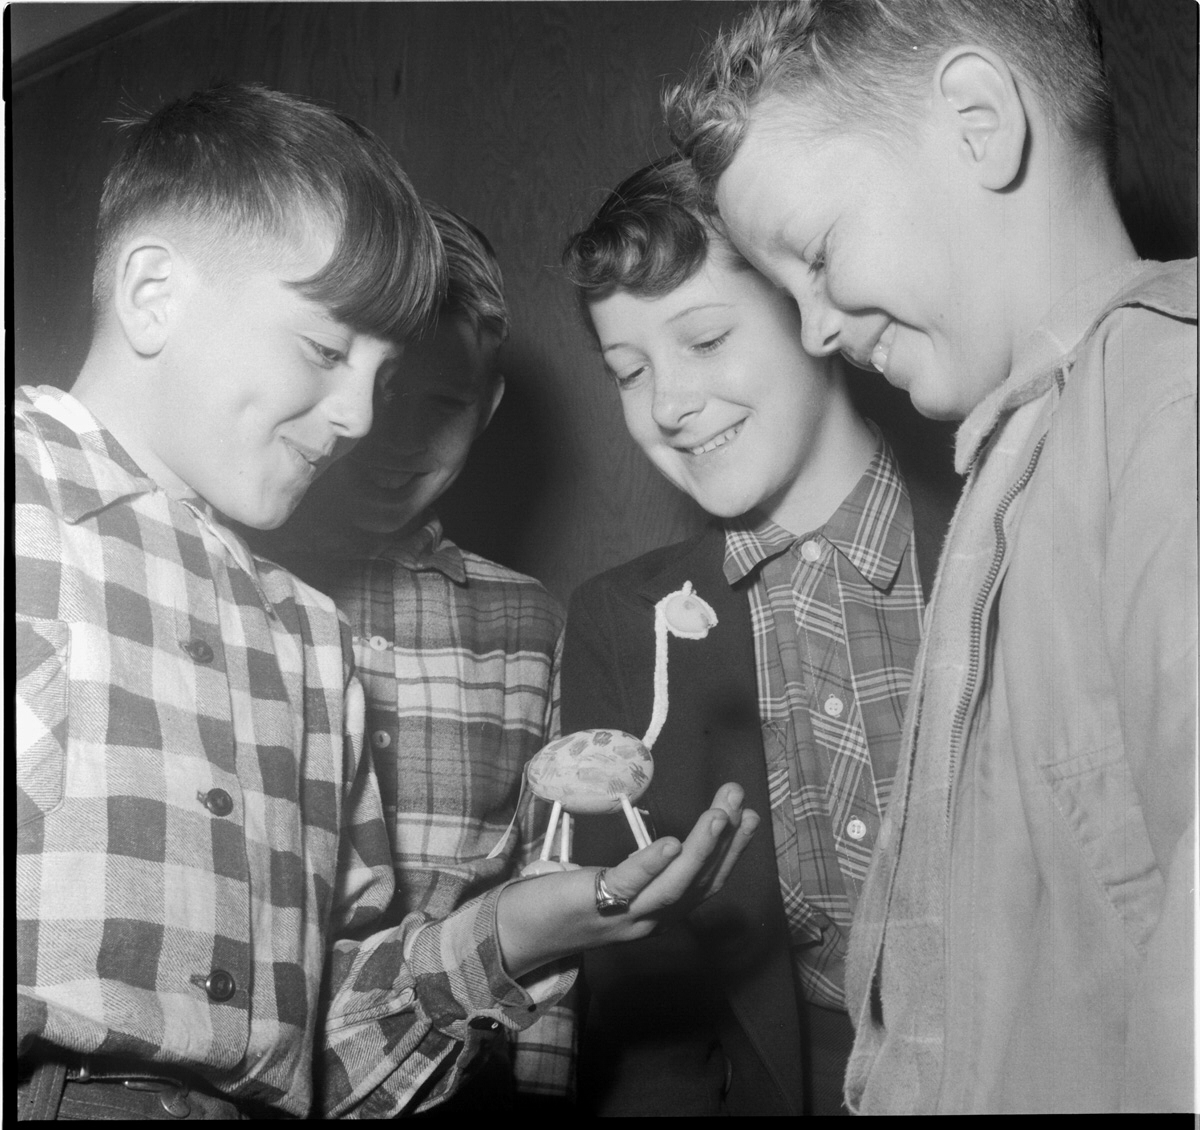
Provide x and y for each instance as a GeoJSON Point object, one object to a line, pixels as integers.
{"type": "Point", "coordinates": [458, 656]}
{"type": "Point", "coordinates": [815, 571]}
{"type": "Point", "coordinates": [202, 856]}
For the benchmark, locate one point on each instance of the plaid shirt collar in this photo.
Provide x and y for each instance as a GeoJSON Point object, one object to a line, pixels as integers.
{"type": "Point", "coordinates": [426, 548]}
{"type": "Point", "coordinates": [98, 472]}
{"type": "Point", "coordinates": [871, 529]}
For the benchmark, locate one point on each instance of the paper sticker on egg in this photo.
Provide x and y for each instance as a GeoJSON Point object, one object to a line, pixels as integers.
{"type": "Point", "coordinates": [588, 772]}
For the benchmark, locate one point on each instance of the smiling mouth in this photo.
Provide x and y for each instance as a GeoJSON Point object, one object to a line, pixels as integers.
{"type": "Point", "coordinates": [717, 440]}
{"type": "Point", "coordinates": [883, 347]}
{"type": "Point", "coordinates": [386, 478]}
{"type": "Point", "coordinates": [316, 460]}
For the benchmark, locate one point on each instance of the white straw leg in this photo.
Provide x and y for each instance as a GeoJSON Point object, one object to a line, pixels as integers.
{"type": "Point", "coordinates": [636, 826]}
{"type": "Point", "coordinates": [564, 843]}
{"type": "Point", "coordinates": [548, 842]}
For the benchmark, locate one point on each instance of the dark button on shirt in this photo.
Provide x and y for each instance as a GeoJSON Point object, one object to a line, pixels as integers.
{"type": "Point", "coordinates": [219, 985]}
{"type": "Point", "coordinates": [217, 801]}
{"type": "Point", "coordinates": [199, 651]}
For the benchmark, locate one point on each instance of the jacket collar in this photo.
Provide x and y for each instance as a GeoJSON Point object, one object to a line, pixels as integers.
{"type": "Point", "coordinates": [1043, 358]}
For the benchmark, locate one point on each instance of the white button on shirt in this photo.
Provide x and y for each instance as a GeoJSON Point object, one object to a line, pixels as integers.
{"type": "Point", "coordinates": [856, 829]}
{"type": "Point", "coordinates": [810, 550]}
{"type": "Point", "coordinates": [378, 643]}
{"type": "Point", "coordinates": [834, 706]}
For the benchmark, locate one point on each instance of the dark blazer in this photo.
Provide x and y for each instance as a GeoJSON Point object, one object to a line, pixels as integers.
{"type": "Point", "coordinates": [701, 1019]}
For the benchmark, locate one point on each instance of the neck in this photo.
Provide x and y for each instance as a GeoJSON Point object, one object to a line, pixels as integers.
{"type": "Point", "coordinates": [110, 387]}
{"type": "Point", "coordinates": [841, 453]}
{"type": "Point", "coordinates": [1073, 232]}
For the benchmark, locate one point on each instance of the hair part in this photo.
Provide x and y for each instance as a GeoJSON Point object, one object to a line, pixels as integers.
{"type": "Point", "coordinates": [649, 236]}
{"type": "Point", "coordinates": [474, 284]}
{"type": "Point", "coordinates": [866, 63]}
{"type": "Point", "coordinates": [243, 172]}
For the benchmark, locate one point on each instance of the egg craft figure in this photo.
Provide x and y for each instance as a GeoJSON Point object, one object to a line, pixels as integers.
{"type": "Point", "coordinates": [592, 772]}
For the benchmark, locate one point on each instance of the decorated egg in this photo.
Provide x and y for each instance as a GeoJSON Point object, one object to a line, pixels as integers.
{"type": "Point", "coordinates": [588, 772]}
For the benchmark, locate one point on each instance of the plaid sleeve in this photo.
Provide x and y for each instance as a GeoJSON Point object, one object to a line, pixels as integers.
{"type": "Point", "coordinates": [544, 1054]}
{"type": "Point", "coordinates": [404, 1000]}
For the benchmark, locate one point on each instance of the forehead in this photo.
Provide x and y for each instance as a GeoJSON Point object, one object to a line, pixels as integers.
{"type": "Point", "coordinates": [453, 357]}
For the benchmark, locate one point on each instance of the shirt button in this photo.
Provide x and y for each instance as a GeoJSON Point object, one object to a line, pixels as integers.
{"type": "Point", "coordinates": [810, 550]}
{"type": "Point", "coordinates": [219, 985]}
{"type": "Point", "coordinates": [484, 1024]}
{"type": "Point", "coordinates": [381, 739]}
{"type": "Point", "coordinates": [856, 829]}
{"type": "Point", "coordinates": [834, 706]}
{"type": "Point", "coordinates": [378, 643]}
{"type": "Point", "coordinates": [199, 651]}
{"type": "Point", "coordinates": [217, 801]}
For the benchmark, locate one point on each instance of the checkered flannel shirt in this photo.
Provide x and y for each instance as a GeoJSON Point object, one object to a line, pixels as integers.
{"type": "Point", "coordinates": [836, 617]}
{"type": "Point", "coordinates": [459, 658]}
{"type": "Point", "coordinates": [196, 817]}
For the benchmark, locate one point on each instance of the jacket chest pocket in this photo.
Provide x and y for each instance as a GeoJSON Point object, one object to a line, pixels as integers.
{"type": "Point", "coordinates": [41, 716]}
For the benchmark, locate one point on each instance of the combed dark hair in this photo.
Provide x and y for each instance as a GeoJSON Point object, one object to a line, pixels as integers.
{"type": "Point", "coordinates": [651, 235]}
{"type": "Point", "coordinates": [242, 169]}
{"type": "Point", "coordinates": [474, 283]}
{"type": "Point", "coordinates": [864, 62]}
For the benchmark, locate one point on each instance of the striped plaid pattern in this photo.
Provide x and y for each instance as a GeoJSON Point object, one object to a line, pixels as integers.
{"type": "Point", "coordinates": [197, 815]}
{"type": "Point", "coordinates": [459, 658]}
{"type": "Point", "coordinates": [836, 617]}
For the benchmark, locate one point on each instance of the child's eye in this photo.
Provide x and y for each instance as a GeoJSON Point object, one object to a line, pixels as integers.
{"type": "Point", "coordinates": [628, 380]}
{"type": "Point", "coordinates": [821, 259]}
{"type": "Point", "coordinates": [326, 356]}
{"type": "Point", "coordinates": [711, 344]}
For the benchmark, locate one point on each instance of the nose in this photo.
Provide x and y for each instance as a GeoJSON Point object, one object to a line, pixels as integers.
{"type": "Point", "coordinates": [350, 400]}
{"type": "Point", "coordinates": [676, 397]}
{"type": "Point", "coordinates": [820, 321]}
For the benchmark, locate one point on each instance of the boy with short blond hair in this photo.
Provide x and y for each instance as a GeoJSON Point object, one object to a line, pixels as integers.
{"type": "Point", "coordinates": [929, 179]}
{"type": "Point", "coordinates": [813, 564]}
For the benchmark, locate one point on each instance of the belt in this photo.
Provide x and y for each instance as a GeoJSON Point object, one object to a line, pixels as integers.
{"type": "Point", "coordinates": [105, 1087]}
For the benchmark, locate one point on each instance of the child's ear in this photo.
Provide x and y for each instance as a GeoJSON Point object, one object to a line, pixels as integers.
{"type": "Point", "coordinates": [984, 109]}
{"type": "Point", "coordinates": [485, 417]}
{"type": "Point", "coordinates": [144, 293]}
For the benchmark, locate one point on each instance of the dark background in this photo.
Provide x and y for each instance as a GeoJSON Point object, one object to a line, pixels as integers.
{"type": "Point", "coordinates": [520, 116]}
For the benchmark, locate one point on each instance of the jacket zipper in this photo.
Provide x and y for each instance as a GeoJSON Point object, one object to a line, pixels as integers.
{"type": "Point", "coordinates": [981, 600]}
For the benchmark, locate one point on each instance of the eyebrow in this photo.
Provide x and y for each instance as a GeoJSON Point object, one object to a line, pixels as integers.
{"type": "Point", "coordinates": [672, 319]}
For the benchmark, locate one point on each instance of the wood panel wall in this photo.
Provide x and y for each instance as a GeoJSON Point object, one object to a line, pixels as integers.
{"type": "Point", "coordinates": [520, 116]}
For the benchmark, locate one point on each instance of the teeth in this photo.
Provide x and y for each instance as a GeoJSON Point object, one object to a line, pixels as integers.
{"type": "Point", "coordinates": [717, 441]}
{"type": "Point", "coordinates": [883, 347]}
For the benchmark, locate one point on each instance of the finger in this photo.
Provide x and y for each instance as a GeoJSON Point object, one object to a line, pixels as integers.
{"type": "Point", "coordinates": [637, 871]}
{"type": "Point", "coordinates": [736, 845]}
{"type": "Point", "coordinates": [730, 797]}
{"type": "Point", "coordinates": [683, 872]}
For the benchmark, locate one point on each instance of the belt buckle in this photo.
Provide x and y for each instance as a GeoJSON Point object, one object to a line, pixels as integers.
{"type": "Point", "coordinates": [172, 1095]}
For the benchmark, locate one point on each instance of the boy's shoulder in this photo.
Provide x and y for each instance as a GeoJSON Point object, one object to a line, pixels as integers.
{"type": "Point", "coordinates": [501, 583]}
{"type": "Point", "coordinates": [1167, 288]}
{"type": "Point", "coordinates": [1146, 334]}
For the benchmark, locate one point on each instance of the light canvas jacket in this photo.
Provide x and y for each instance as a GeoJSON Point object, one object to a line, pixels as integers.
{"type": "Point", "coordinates": [1023, 941]}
